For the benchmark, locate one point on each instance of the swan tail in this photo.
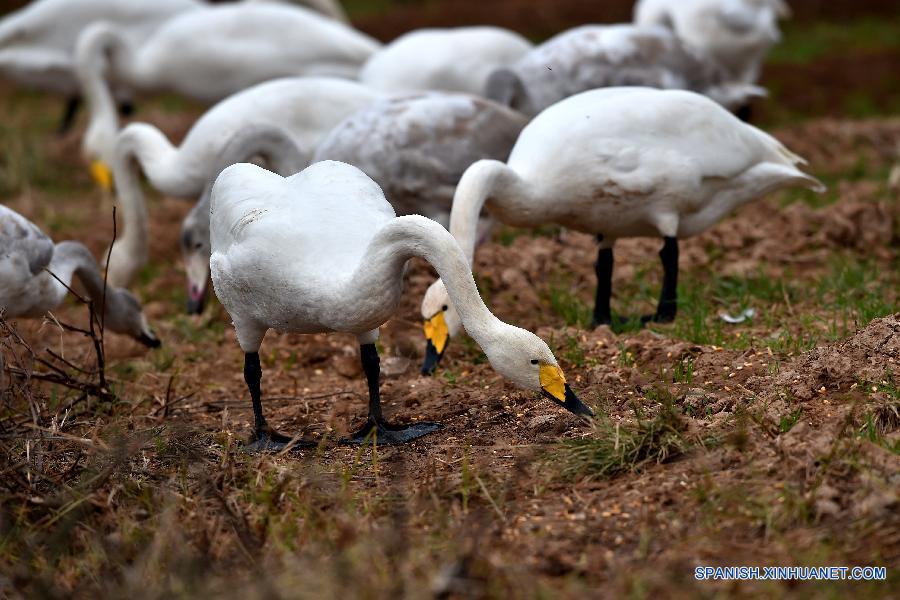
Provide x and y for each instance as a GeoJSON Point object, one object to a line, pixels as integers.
{"type": "Point", "coordinates": [790, 176]}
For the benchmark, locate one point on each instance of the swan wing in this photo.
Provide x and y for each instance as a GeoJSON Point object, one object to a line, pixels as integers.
{"type": "Point", "coordinates": [417, 147]}
{"type": "Point", "coordinates": [21, 240]}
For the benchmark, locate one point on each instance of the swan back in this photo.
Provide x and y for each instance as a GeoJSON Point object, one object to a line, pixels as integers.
{"type": "Point", "coordinates": [315, 225]}
{"type": "Point", "coordinates": [456, 60]}
{"type": "Point", "coordinates": [416, 147]}
{"type": "Point", "coordinates": [210, 54]}
{"type": "Point", "coordinates": [625, 129]}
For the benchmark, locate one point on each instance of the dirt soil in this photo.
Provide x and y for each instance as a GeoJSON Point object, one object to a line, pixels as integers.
{"type": "Point", "coordinates": [789, 423]}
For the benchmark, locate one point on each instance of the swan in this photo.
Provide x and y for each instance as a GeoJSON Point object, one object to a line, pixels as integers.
{"type": "Point", "coordinates": [323, 251]}
{"type": "Point", "coordinates": [415, 147]}
{"type": "Point", "coordinates": [595, 56]}
{"type": "Point", "coordinates": [618, 162]}
{"type": "Point", "coordinates": [304, 107]}
{"type": "Point", "coordinates": [210, 54]}
{"type": "Point", "coordinates": [29, 260]}
{"type": "Point", "coordinates": [454, 60]}
{"type": "Point", "coordinates": [37, 42]}
{"type": "Point", "coordinates": [736, 33]}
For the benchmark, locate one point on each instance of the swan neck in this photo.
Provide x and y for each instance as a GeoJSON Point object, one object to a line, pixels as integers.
{"type": "Point", "coordinates": [411, 236]}
{"type": "Point", "coordinates": [72, 259]}
{"type": "Point", "coordinates": [486, 180]}
{"type": "Point", "coordinates": [92, 64]}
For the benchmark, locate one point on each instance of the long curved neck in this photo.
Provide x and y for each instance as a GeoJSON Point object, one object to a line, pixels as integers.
{"type": "Point", "coordinates": [138, 147]}
{"type": "Point", "coordinates": [72, 259]}
{"type": "Point", "coordinates": [486, 180]}
{"type": "Point", "coordinates": [98, 43]}
{"type": "Point", "coordinates": [409, 236]}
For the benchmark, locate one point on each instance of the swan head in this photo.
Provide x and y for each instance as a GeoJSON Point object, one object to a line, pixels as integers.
{"type": "Point", "coordinates": [441, 322]}
{"type": "Point", "coordinates": [196, 250]}
{"type": "Point", "coordinates": [97, 147]}
{"type": "Point", "coordinates": [124, 314]}
{"type": "Point", "coordinates": [524, 358]}
{"type": "Point", "coordinates": [505, 86]}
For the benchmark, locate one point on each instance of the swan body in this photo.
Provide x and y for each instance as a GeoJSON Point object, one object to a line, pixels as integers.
{"type": "Point", "coordinates": [417, 146]}
{"type": "Point", "coordinates": [304, 108]}
{"type": "Point", "coordinates": [210, 54]}
{"type": "Point", "coordinates": [28, 289]}
{"type": "Point", "coordinates": [322, 251]}
{"type": "Point", "coordinates": [37, 42]}
{"type": "Point", "coordinates": [736, 33]}
{"type": "Point", "coordinates": [622, 162]}
{"type": "Point", "coordinates": [595, 56]}
{"type": "Point", "coordinates": [454, 60]}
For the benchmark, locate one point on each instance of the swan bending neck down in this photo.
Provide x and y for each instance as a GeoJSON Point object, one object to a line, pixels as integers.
{"type": "Point", "coordinates": [36, 274]}
{"type": "Point", "coordinates": [322, 251]}
{"type": "Point", "coordinates": [618, 162]}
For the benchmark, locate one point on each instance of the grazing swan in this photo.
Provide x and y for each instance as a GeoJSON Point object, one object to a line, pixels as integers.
{"type": "Point", "coordinates": [28, 262]}
{"type": "Point", "coordinates": [322, 251]}
{"type": "Point", "coordinates": [595, 56]}
{"type": "Point", "coordinates": [304, 107]}
{"type": "Point", "coordinates": [736, 33]}
{"type": "Point", "coordinates": [210, 54]}
{"type": "Point", "coordinates": [453, 60]}
{"type": "Point", "coordinates": [415, 147]}
{"type": "Point", "coordinates": [37, 42]}
{"type": "Point", "coordinates": [618, 162]}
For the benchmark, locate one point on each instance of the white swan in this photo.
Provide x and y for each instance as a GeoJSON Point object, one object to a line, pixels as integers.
{"type": "Point", "coordinates": [322, 251]}
{"type": "Point", "coordinates": [304, 107]}
{"type": "Point", "coordinates": [595, 56]}
{"type": "Point", "coordinates": [454, 60]}
{"type": "Point", "coordinates": [210, 54]}
{"type": "Point", "coordinates": [28, 262]}
{"type": "Point", "coordinates": [619, 162]}
{"type": "Point", "coordinates": [415, 147]}
{"type": "Point", "coordinates": [37, 42]}
{"type": "Point", "coordinates": [736, 33]}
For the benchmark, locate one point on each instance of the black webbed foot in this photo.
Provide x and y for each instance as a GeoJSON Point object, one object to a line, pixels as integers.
{"type": "Point", "coordinates": [269, 440]}
{"type": "Point", "coordinates": [384, 434]}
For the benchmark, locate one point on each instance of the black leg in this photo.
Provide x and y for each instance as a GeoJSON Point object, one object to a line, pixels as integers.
{"type": "Point", "coordinates": [376, 427]}
{"type": "Point", "coordinates": [69, 113]}
{"type": "Point", "coordinates": [264, 438]}
{"type": "Point", "coordinates": [126, 108]}
{"type": "Point", "coordinates": [668, 298]}
{"type": "Point", "coordinates": [604, 270]}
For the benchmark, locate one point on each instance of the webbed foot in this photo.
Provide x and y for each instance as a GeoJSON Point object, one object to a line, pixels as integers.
{"type": "Point", "coordinates": [385, 434]}
{"type": "Point", "coordinates": [269, 440]}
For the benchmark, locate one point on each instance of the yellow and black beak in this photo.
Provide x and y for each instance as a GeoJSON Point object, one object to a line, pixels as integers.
{"type": "Point", "coordinates": [437, 334]}
{"type": "Point", "coordinates": [102, 175]}
{"type": "Point", "coordinates": [554, 386]}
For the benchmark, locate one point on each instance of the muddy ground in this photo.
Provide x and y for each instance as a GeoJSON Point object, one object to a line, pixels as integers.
{"type": "Point", "coordinates": [771, 442]}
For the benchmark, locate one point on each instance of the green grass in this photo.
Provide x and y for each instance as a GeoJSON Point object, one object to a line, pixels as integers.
{"type": "Point", "coordinates": [806, 43]}
{"type": "Point", "coordinates": [616, 448]}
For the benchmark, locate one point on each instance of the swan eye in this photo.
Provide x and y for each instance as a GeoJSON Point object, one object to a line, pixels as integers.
{"type": "Point", "coordinates": [198, 245]}
{"type": "Point", "coordinates": [534, 361]}
{"type": "Point", "coordinates": [444, 307]}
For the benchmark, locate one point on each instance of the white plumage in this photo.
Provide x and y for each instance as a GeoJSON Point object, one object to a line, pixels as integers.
{"type": "Point", "coordinates": [303, 108]}
{"type": "Point", "coordinates": [736, 33]}
{"type": "Point", "coordinates": [322, 251]}
{"type": "Point", "coordinates": [453, 60]}
{"type": "Point", "coordinates": [622, 162]}
{"type": "Point", "coordinates": [595, 56]}
{"type": "Point", "coordinates": [37, 42]}
{"type": "Point", "coordinates": [210, 54]}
